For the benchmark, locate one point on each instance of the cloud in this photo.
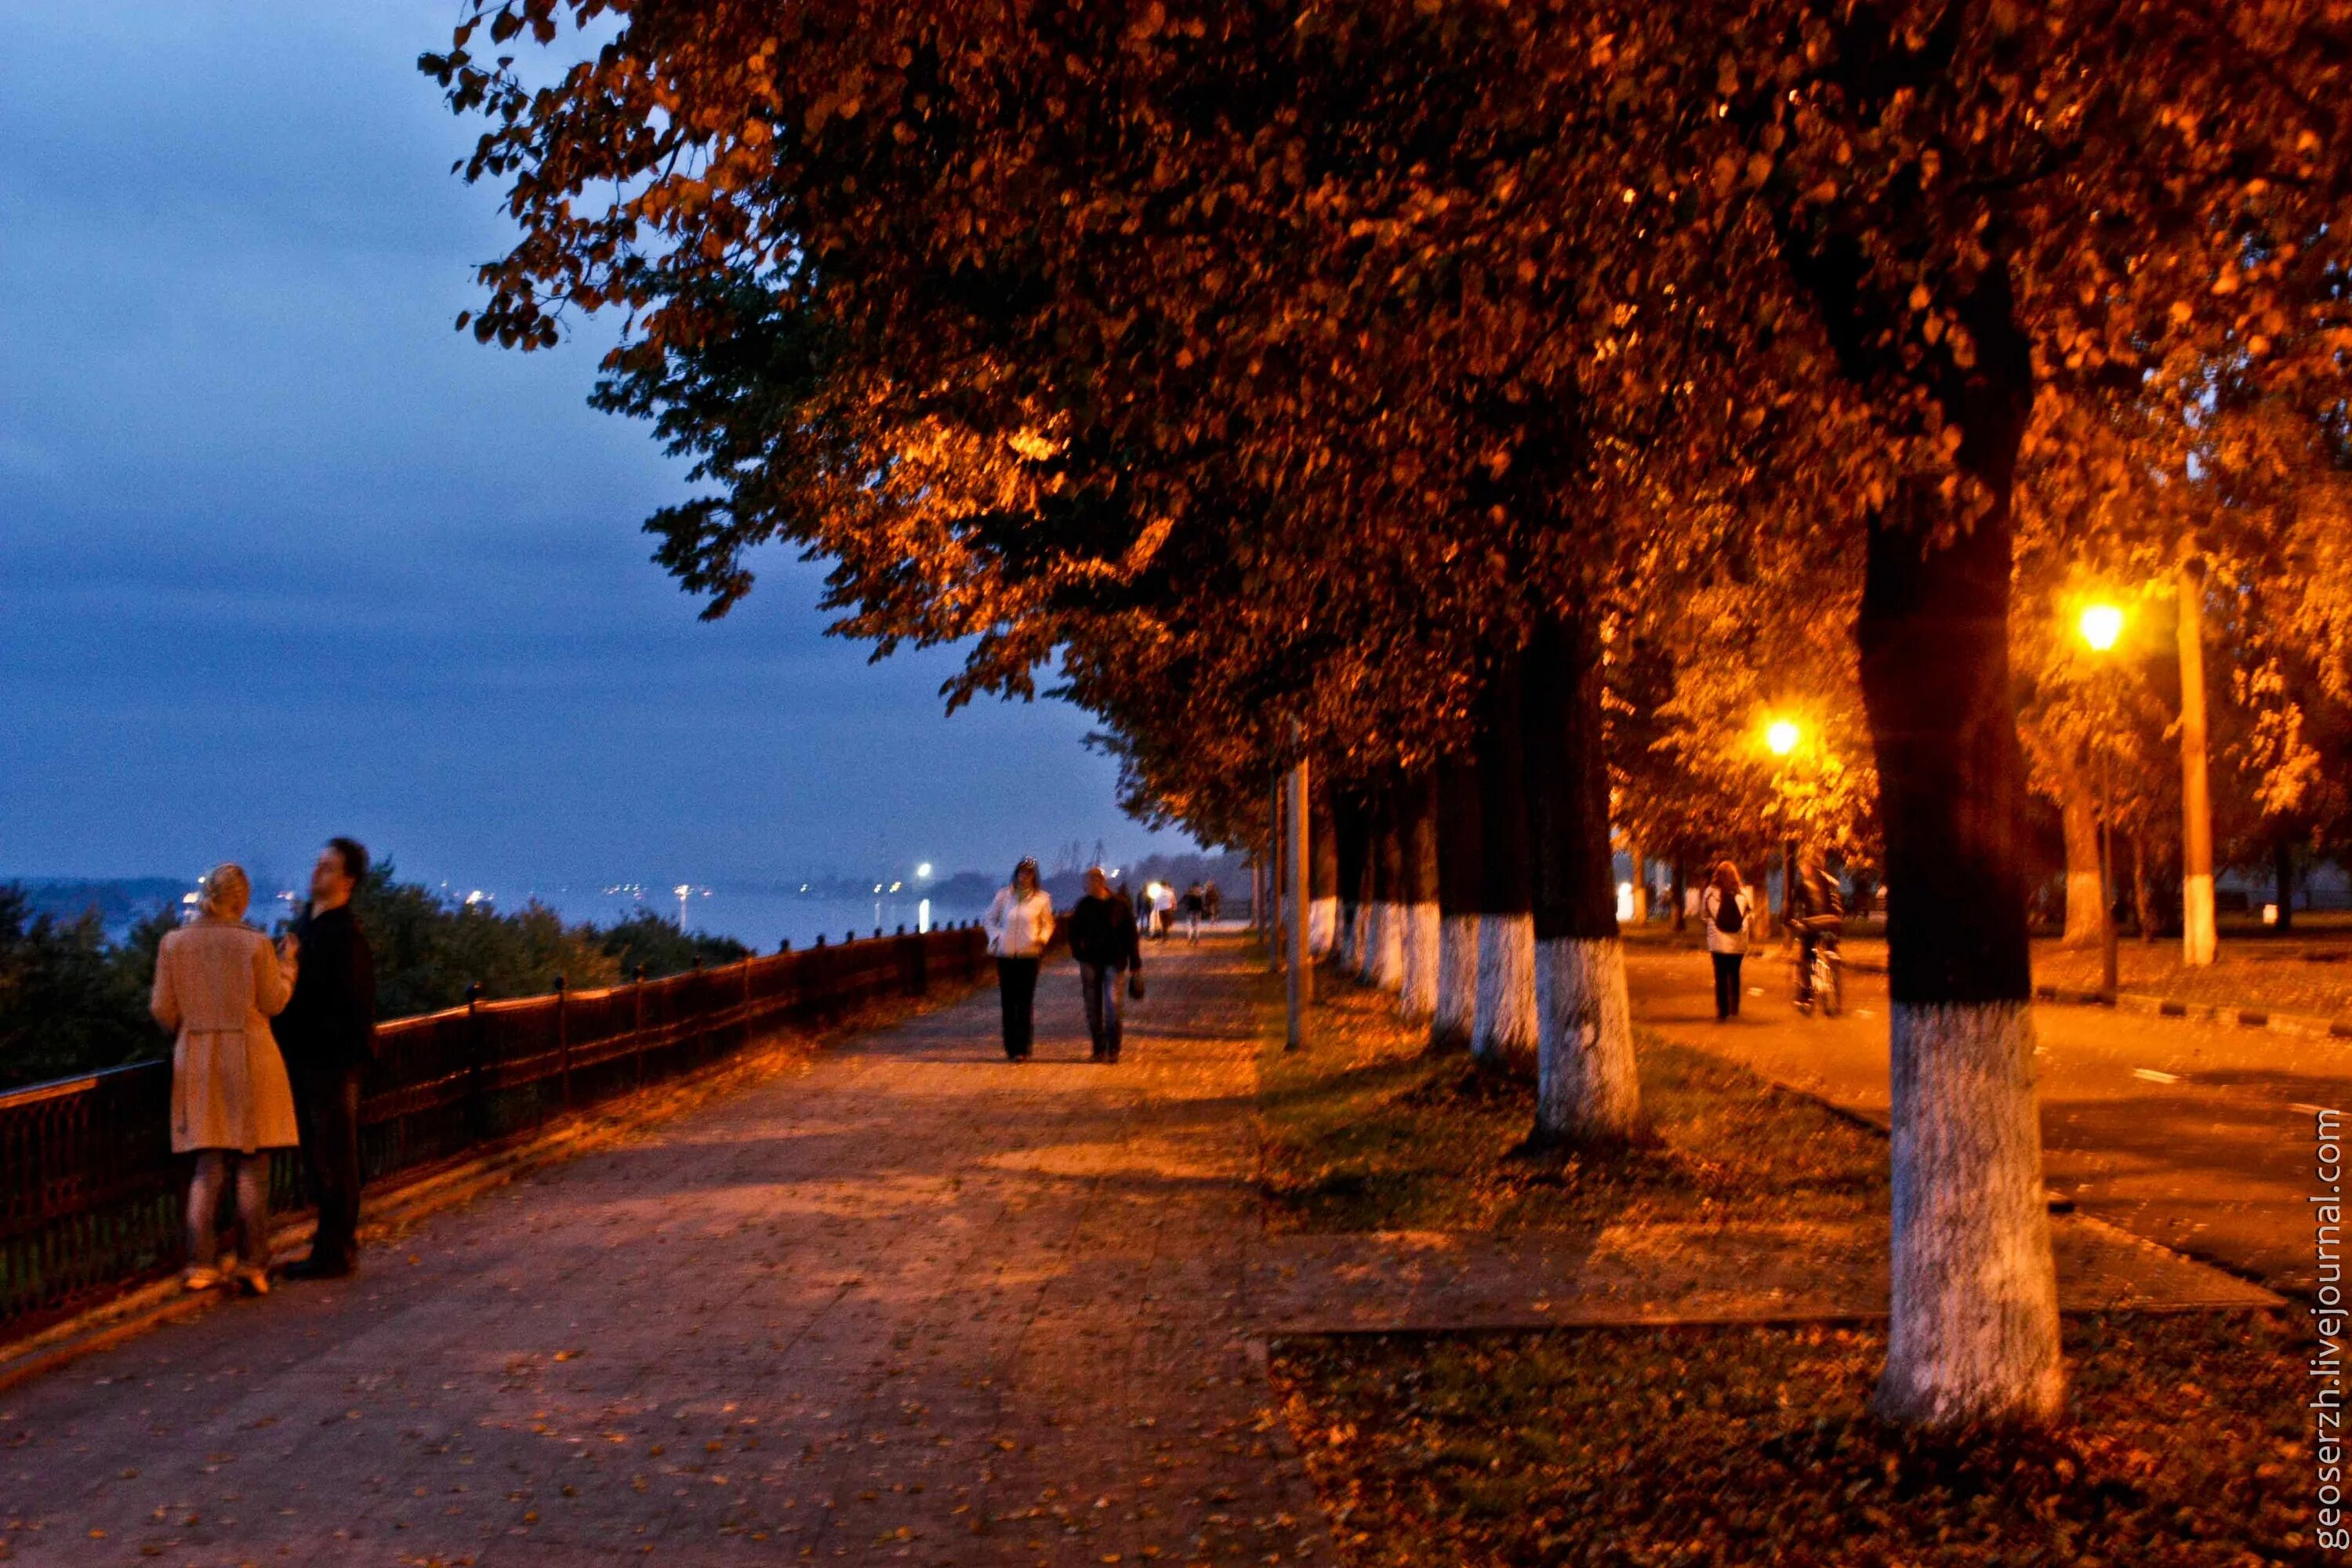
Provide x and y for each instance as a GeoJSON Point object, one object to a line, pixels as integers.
{"type": "Point", "coordinates": [282, 554]}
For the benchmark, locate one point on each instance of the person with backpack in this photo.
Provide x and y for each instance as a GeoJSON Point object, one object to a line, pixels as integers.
{"type": "Point", "coordinates": [1725, 908]}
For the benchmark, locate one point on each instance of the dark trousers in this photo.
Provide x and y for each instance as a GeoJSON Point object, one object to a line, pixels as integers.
{"type": "Point", "coordinates": [1727, 984]}
{"type": "Point", "coordinates": [1099, 983]}
{"type": "Point", "coordinates": [326, 1114]}
{"type": "Point", "coordinates": [1016, 986]}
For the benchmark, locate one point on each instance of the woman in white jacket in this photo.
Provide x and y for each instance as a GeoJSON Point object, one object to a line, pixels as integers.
{"type": "Point", "coordinates": [1020, 922]}
{"type": "Point", "coordinates": [1726, 907]}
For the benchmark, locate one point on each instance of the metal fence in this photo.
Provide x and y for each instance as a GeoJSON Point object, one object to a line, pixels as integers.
{"type": "Point", "coordinates": [91, 1191]}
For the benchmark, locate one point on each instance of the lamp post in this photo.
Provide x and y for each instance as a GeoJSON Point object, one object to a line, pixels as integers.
{"type": "Point", "coordinates": [2196, 802]}
{"type": "Point", "coordinates": [2101, 625]}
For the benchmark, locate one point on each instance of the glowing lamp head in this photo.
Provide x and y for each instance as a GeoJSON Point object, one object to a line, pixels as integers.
{"type": "Point", "coordinates": [924, 869]}
{"type": "Point", "coordinates": [1781, 736]}
{"type": "Point", "coordinates": [2101, 625]}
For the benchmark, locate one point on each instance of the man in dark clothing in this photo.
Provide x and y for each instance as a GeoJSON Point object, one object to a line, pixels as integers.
{"type": "Point", "coordinates": [1103, 941]}
{"type": "Point", "coordinates": [1819, 916]}
{"type": "Point", "coordinates": [327, 1035]}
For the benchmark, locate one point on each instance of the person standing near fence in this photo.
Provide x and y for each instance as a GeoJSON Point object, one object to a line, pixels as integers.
{"type": "Point", "coordinates": [217, 985]}
{"type": "Point", "coordinates": [1726, 906]}
{"type": "Point", "coordinates": [1104, 941]}
{"type": "Point", "coordinates": [327, 1033]}
{"type": "Point", "coordinates": [1020, 922]}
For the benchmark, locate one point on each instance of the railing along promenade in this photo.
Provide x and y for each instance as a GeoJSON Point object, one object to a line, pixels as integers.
{"type": "Point", "coordinates": [91, 1192]}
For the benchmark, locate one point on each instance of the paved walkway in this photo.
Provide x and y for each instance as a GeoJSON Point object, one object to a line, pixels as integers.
{"type": "Point", "coordinates": [910, 1304]}
{"type": "Point", "coordinates": [2193, 1135]}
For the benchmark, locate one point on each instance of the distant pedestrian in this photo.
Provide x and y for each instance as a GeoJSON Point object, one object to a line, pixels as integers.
{"type": "Point", "coordinates": [217, 985]}
{"type": "Point", "coordinates": [1726, 906]}
{"type": "Point", "coordinates": [1213, 901]}
{"type": "Point", "coordinates": [1195, 905]}
{"type": "Point", "coordinates": [1104, 941]}
{"type": "Point", "coordinates": [1019, 923]}
{"type": "Point", "coordinates": [1163, 907]}
{"type": "Point", "coordinates": [328, 1034]}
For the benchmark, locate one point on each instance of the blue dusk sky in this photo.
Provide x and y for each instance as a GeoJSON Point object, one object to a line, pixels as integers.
{"type": "Point", "coordinates": [282, 555]}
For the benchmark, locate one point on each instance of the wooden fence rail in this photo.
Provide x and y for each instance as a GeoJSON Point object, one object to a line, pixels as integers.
{"type": "Point", "coordinates": [91, 1191]}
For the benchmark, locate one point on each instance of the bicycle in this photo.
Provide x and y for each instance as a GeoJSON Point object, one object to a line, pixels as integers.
{"type": "Point", "coordinates": [1827, 992]}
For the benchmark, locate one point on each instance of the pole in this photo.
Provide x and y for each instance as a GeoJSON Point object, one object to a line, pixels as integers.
{"type": "Point", "coordinates": [1273, 875]}
{"type": "Point", "coordinates": [2197, 939]}
{"type": "Point", "coordinates": [1302, 977]}
{"type": "Point", "coordinates": [2106, 883]}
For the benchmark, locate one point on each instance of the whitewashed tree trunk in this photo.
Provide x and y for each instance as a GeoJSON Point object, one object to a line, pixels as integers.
{"type": "Point", "coordinates": [1455, 1023]}
{"type": "Point", "coordinates": [1322, 926]}
{"type": "Point", "coordinates": [1417, 990]}
{"type": "Point", "coordinates": [1506, 1030]}
{"type": "Point", "coordinates": [1974, 1302]}
{"type": "Point", "coordinates": [1586, 1089]}
{"type": "Point", "coordinates": [1388, 952]}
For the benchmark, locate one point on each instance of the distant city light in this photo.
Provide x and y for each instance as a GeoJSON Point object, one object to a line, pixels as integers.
{"type": "Point", "coordinates": [924, 869]}
{"type": "Point", "coordinates": [2100, 626]}
{"type": "Point", "coordinates": [895, 886]}
{"type": "Point", "coordinates": [1782, 737]}
{"type": "Point", "coordinates": [477, 897]}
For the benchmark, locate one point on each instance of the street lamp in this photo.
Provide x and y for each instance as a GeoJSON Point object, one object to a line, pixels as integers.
{"type": "Point", "coordinates": [1781, 737]}
{"type": "Point", "coordinates": [2100, 626]}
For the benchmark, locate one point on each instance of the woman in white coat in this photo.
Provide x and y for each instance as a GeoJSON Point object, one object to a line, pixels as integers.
{"type": "Point", "coordinates": [1727, 908]}
{"type": "Point", "coordinates": [1019, 923]}
{"type": "Point", "coordinates": [217, 985]}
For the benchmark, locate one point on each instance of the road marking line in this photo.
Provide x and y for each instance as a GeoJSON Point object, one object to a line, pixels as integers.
{"type": "Point", "coordinates": [2152, 1075]}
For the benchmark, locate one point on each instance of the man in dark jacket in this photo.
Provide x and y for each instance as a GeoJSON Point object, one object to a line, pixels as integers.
{"type": "Point", "coordinates": [327, 1035]}
{"type": "Point", "coordinates": [1103, 941]}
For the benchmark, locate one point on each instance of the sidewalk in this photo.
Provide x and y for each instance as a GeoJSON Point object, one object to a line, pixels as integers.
{"type": "Point", "coordinates": [2193, 1135]}
{"type": "Point", "coordinates": [912, 1304]}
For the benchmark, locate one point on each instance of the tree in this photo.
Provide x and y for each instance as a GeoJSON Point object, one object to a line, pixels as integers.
{"type": "Point", "coordinates": [1445, 318]}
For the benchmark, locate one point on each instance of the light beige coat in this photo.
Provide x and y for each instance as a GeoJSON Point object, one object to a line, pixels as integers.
{"type": "Point", "coordinates": [219, 984]}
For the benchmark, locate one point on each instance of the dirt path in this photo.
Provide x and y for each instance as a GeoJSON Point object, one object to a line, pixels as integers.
{"type": "Point", "coordinates": [912, 1304]}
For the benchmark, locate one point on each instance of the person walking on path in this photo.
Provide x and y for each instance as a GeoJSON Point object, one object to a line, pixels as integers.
{"type": "Point", "coordinates": [1163, 910]}
{"type": "Point", "coordinates": [1020, 922]}
{"type": "Point", "coordinates": [1726, 906]}
{"type": "Point", "coordinates": [217, 985]}
{"type": "Point", "coordinates": [1195, 905]}
{"type": "Point", "coordinates": [328, 1034]}
{"type": "Point", "coordinates": [1104, 941]}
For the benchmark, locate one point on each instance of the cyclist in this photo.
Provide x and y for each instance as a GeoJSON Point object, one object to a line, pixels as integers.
{"type": "Point", "coordinates": [1817, 916]}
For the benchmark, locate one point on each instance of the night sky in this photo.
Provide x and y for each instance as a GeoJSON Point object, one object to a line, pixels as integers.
{"type": "Point", "coordinates": [283, 556]}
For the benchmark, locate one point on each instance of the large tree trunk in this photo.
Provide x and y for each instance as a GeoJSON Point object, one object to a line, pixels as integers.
{"type": "Point", "coordinates": [1322, 875]}
{"type": "Point", "coordinates": [1974, 1329]}
{"type": "Point", "coordinates": [1453, 1022]}
{"type": "Point", "coordinates": [2078, 812]}
{"type": "Point", "coordinates": [1347, 842]}
{"type": "Point", "coordinates": [1416, 904]}
{"type": "Point", "coordinates": [1587, 1091]}
{"type": "Point", "coordinates": [1505, 1031]}
{"type": "Point", "coordinates": [1376, 892]}
{"type": "Point", "coordinates": [1387, 902]}
{"type": "Point", "coordinates": [1680, 893]}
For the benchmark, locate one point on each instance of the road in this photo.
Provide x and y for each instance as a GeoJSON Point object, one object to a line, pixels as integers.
{"type": "Point", "coordinates": [2196, 1136]}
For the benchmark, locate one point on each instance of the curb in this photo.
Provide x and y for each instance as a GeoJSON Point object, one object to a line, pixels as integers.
{"type": "Point", "coordinates": [2305, 1024]}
